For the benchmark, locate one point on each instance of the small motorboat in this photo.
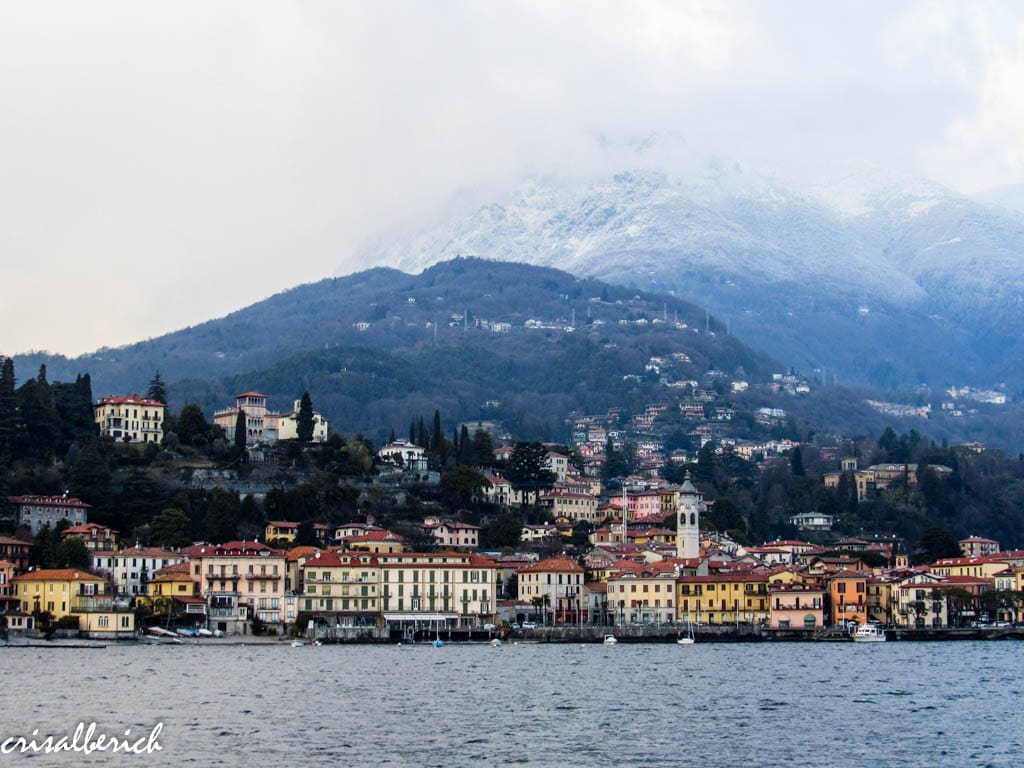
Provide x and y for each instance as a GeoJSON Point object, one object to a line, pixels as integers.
{"type": "Point", "coordinates": [610, 640]}
{"type": "Point", "coordinates": [869, 633]}
{"type": "Point", "coordinates": [297, 644]}
{"type": "Point", "coordinates": [496, 642]}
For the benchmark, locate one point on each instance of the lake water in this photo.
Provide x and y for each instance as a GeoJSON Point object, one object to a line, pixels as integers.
{"type": "Point", "coordinates": [805, 704]}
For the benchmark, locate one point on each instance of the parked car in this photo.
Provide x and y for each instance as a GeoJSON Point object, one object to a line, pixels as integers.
{"type": "Point", "coordinates": [529, 625]}
{"type": "Point", "coordinates": [489, 627]}
{"type": "Point", "coordinates": [514, 626]}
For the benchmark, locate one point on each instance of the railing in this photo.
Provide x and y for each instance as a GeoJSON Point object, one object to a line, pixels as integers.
{"type": "Point", "coordinates": [100, 604]}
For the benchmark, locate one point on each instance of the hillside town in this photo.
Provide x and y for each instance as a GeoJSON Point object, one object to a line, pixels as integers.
{"type": "Point", "coordinates": [641, 520]}
{"type": "Point", "coordinates": [648, 561]}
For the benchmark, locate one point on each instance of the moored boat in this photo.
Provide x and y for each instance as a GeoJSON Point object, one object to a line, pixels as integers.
{"type": "Point", "coordinates": [869, 633]}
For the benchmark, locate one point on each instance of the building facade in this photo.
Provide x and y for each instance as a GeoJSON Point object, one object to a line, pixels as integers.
{"type": "Point", "coordinates": [130, 418]}
{"type": "Point", "coordinates": [242, 581]}
{"type": "Point", "coordinates": [38, 512]}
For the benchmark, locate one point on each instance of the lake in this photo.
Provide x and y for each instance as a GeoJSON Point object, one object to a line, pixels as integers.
{"type": "Point", "coordinates": [806, 704]}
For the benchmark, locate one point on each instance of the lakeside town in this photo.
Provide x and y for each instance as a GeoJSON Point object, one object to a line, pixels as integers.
{"type": "Point", "coordinates": [636, 555]}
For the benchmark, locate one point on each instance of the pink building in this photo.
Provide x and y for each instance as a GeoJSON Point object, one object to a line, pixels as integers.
{"type": "Point", "coordinates": [795, 606]}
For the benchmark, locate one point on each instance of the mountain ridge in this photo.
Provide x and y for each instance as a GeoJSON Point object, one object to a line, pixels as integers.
{"type": "Point", "coordinates": [942, 268]}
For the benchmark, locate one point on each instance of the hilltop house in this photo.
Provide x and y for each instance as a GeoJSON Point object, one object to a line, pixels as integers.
{"type": "Point", "coordinates": [38, 512]}
{"type": "Point", "coordinates": [264, 426]}
{"type": "Point", "coordinates": [131, 418]}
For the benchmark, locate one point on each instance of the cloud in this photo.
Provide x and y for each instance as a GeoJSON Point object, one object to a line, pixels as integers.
{"type": "Point", "coordinates": [986, 148]}
{"type": "Point", "coordinates": [164, 163]}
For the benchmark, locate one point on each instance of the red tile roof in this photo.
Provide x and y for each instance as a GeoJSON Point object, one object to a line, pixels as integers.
{"type": "Point", "coordinates": [58, 574]}
{"type": "Point", "coordinates": [49, 501]}
{"type": "Point", "coordinates": [130, 400]}
{"type": "Point", "coordinates": [554, 565]}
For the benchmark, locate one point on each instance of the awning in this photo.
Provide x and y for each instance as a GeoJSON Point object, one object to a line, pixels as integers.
{"type": "Point", "coordinates": [415, 616]}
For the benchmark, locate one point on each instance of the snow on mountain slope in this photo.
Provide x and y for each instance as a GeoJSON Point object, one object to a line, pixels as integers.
{"type": "Point", "coordinates": [797, 268]}
{"type": "Point", "coordinates": [726, 222]}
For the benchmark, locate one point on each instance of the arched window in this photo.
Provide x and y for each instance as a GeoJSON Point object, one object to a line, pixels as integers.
{"type": "Point", "coordinates": [693, 518]}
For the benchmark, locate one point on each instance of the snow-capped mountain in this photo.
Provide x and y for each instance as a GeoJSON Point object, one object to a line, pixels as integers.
{"type": "Point", "coordinates": [867, 274]}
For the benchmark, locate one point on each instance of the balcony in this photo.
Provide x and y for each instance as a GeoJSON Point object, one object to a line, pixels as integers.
{"type": "Point", "coordinates": [87, 604]}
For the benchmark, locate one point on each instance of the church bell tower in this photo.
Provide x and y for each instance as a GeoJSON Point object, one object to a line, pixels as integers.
{"type": "Point", "coordinates": [688, 521]}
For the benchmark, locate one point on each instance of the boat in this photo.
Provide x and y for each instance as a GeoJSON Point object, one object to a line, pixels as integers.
{"type": "Point", "coordinates": [438, 642]}
{"type": "Point", "coordinates": [869, 633]}
{"type": "Point", "coordinates": [297, 644]}
{"type": "Point", "coordinates": [610, 640]}
{"type": "Point", "coordinates": [496, 642]}
{"type": "Point", "coordinates": [686, 639]}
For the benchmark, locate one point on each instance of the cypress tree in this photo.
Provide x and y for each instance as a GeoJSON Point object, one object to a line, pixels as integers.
{"type": "Point", "coordinates": [42, 424]}
{"type": "Point", "coordinates": [305, 419]}
{"type": "Point", "coordinates": [796, 463]}
{"type": "Point", "coordinates": [240, 430]}
{"type": "Point", "coordinates": [466, 453]}
{"type": "Point", "coordinates": [436, 438]}
{"type": "Point", "coordinates": [10, 414]}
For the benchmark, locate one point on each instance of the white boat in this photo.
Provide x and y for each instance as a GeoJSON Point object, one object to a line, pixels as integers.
{"type": "Point", "coordinates": [869, 633]}
{"type": "Point", "coordinates": [496, 642]}
{"type": "Point", "coordinates": [610, 640]}
{"type": "Point", "coordinates": [297, 644]}
{"type": "Point", "coordinates": [686, 639]}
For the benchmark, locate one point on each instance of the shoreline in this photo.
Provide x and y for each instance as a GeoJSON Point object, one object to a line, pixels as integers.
{"type": "Point", "coordinates": [557, 635]}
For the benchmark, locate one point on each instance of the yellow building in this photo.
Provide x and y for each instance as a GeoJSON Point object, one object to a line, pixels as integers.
{"type": "Point", "coordinates": [642, 536]}
{"type": "Point", "coordinates": [340, 588]}
{"type": "Point", "coordinates": [453, 588]}
{"type": "Point", "coordinates": [74, 592]}
{"type": "Point", "coordinates": [173, 581]}
{"type": "Point", "coordinates": [863, 481]}
{"type": "Point", "coordinates": [978, 567]}
{"type": "Point", "coordinates": [643, 594]}
{"type": "Point", "coordinates": [130, 418]}
{"type": "Point", "coordinates": [723, 598]}
{"type": "Point", "coordinates": [577, 507]}
{"type": "Point", "coordinates": [879, 600]}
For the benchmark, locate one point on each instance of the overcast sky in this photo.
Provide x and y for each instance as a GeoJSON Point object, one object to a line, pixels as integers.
{"type": "Point", "coordinates": [162, 164]}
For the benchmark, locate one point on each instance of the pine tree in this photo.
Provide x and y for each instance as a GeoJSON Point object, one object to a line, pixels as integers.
{"type": "Point", "coordinates": [157, 390]}
{"type": "Point", "coordinates": [483, 448]}
{"type": "Point", "coordinates": [304, 419]}
{"type": "Point", "coordinates": [73, 403]}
